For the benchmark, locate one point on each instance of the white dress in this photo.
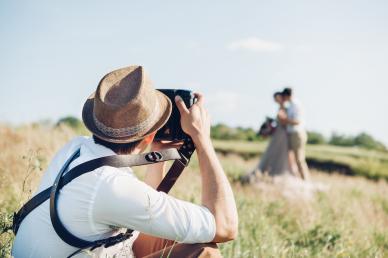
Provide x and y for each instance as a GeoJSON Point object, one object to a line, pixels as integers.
{"type": "Point", "coordinates": [274, 160]}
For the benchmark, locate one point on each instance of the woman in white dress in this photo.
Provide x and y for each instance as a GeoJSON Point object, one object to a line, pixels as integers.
{"type": "Point", "coordinates": [275, 159]}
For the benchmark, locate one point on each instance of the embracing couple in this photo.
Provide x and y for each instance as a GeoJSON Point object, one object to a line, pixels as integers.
{"type": "Point", "coordinates": [286, 150]}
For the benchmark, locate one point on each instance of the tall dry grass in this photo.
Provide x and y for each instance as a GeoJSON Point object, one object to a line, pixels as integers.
{"type": "Point", "coordinates": [25, 152]}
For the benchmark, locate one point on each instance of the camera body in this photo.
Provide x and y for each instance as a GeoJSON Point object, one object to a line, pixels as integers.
{"type": "Point", "coordinates": [172, 130]}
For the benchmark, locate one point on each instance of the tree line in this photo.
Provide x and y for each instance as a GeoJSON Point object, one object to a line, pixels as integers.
{"type": "Point", "coordinates": [224, 132]}
{"type": "Point", "coordinates": [364, 140]}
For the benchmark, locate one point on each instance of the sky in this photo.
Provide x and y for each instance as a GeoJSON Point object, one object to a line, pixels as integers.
{"type": "Point", "coordinates": [238, 53]}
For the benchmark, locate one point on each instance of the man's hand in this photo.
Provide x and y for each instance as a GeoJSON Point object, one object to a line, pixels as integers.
{"type": "Point", "coordinates": [194, 121]}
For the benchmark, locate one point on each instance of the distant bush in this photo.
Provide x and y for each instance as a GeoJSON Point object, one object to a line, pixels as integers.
{"type": "Point", "coordinates": [341, 140]}
{"type": "Point", "coordinates": [73, 122]}
{"type": "Point", "coordinates": [224, 132]}
{"type": "Point", "coordinates": [361, 140]}
{"type": "Point", "coordinates": [248, 134]}
{"type": "Point", "coordinates": [42, 123]}
{"type": "Point", "coordinates": [367, 141]}
{"type": "Point", "coordinates": [315, 138]}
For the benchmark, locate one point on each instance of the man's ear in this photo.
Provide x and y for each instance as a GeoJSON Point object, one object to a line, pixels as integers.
{"type": "Point", "coordinates": [149, 139]}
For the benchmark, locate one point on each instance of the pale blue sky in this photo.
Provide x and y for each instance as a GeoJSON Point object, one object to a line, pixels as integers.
{"type": "Point", "coordinates": [333, 53]}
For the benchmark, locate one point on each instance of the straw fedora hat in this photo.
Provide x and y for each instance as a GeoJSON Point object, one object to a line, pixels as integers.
{"type": "Point", "coordinates": [125, 107]}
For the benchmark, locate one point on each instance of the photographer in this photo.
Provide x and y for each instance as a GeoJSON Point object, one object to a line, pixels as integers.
{"type": "Point", "coordinates": [124, 115]}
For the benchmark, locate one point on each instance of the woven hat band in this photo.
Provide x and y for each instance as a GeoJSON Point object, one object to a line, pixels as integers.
{"type": "Point", "coordinates": [128, 131]}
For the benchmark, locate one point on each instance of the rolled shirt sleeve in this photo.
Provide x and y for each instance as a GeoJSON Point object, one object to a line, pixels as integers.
{"type": "Point", "coordinates": [124, 201]}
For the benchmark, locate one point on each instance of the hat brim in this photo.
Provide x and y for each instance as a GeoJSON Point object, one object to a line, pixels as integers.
{"type": "Point", "coordinates": [165, 108]}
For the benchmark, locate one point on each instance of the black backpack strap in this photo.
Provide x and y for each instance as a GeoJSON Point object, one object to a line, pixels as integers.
{"type": "Point", "coordinates": [114, 161]}
{"type": "Point", "coordinates": [61, 230]}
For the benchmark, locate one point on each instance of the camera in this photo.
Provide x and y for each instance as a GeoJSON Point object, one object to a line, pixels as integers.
{"type": "Point", "coordinates": [172, 130]}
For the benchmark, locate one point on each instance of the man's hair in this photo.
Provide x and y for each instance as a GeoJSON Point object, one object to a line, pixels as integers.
{"type": "Point", "coordinates": [278, 93]}
{"type": "Point", "coordinates": [287, 92]}
{"type": "Point", "coordinates": [118, 148]}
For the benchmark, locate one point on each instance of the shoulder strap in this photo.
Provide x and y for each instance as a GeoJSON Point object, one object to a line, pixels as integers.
{"type": "Point", "coordinates": [113, 161]}
{"type": "Point", "coordinates": [187, 150]}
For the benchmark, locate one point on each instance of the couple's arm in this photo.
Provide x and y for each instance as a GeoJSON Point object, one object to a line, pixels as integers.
{"type": "Point", "coordinates": [284, 119]}
{"type": "Point", "coordinates": [292, 121]}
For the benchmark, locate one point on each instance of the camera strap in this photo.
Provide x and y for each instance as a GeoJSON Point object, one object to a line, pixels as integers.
{"type": "Point", "coordinates": [181, 157]}
{"type": "Point", "coordinates": [186, 151]}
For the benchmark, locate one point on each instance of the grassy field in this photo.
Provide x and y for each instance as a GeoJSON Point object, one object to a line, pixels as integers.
{"type": "Point", "coordinates": [371, 164]}
{"type": "Point", "coordinates": [349, 218]}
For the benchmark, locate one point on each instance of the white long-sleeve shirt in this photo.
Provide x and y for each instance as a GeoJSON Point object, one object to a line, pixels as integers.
{"type": "Point", "coordinates": [295, 112]}
{"type": "Point", "coordinates": [98, 204]}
